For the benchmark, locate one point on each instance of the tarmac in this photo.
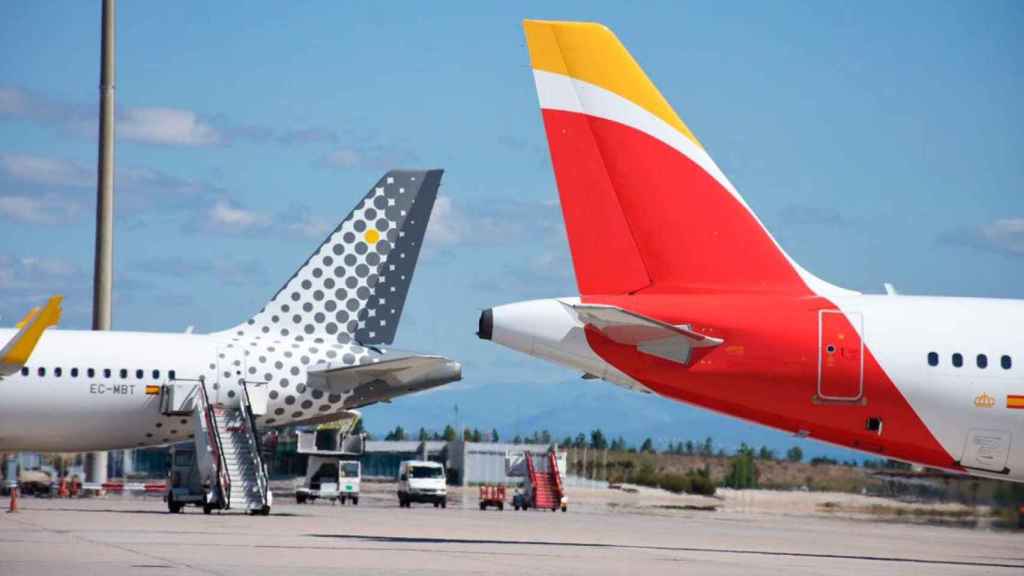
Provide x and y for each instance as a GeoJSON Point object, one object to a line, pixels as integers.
{"type": "Point", "coordinates": [117, 535]}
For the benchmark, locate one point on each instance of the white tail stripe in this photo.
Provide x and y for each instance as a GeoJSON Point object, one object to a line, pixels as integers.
{"type": "Point", "coordinates": [561, 92]}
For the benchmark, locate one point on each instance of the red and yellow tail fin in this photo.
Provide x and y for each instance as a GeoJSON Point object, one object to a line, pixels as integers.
{"type": "Point", "coordinates": [645, 206]}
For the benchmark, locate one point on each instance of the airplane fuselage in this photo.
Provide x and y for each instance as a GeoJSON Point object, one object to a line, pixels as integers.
{"type": "Point", "coordinates": [86, 390]}
{"type": "Point", "coordinates": [850, 370]}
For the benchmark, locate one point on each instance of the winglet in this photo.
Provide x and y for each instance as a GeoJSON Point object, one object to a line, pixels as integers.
{"type": "Point", "coordinates": [16, 353]}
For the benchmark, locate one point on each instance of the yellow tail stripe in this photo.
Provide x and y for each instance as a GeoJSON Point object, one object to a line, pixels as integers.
{"type": "Point", "coordinates": [592, 53]}
{"type": "Point", "coordinates": [16, 353]}
{"type": "Point", "coordinates": [28, 318]}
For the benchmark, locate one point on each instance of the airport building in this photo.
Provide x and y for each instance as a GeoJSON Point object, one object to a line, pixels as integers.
{"type": "Point", "coordinates": [381, 458]}
{"type": "Point", "coordinates": [467, 463]}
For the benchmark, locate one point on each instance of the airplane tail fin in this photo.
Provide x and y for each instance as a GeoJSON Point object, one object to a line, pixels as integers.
{"type": "Point", "coordinates": [354, 285]}
{"type": "Point", "coordinates": [645, 206]}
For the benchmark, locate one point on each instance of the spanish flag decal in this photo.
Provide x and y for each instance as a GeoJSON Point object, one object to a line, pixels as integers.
{"type": "Point", "coordinates": [1015, 401]}
{"type": "Point", "coordinates": [151, 389]}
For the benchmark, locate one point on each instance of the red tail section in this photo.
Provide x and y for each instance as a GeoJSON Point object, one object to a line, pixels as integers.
{"type": "Point", "coordinates": [645, 207]}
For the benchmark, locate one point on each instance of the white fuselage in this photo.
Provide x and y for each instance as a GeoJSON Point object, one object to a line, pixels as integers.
{"type": "Point", "coordinates": [767, 370]}
{"type": "Point", "coordinates": [110, 410]}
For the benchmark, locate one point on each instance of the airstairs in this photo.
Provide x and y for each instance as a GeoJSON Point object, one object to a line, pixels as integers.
{"type": "Point", "coordinates": [228, 450]}
{"type": "Point", "coordinates": [545, 483]}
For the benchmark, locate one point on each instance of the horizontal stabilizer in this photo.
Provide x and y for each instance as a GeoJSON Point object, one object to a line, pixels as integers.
{"type": "Point", "coordinates": [364, 384]}
{"type": "Point", "coordinates": [650, 336]}
{"type": "Point", "coordinates": [16, 353]}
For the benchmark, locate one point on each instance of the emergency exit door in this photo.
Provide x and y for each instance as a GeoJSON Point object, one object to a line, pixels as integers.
{"type": "Point", "coordinates": [840, 356]}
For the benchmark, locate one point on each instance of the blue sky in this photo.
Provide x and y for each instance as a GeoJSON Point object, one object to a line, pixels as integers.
{"type": "Point", "coordinates": [878, 142]}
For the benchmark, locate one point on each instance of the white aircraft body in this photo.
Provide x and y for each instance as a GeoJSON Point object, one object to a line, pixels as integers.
{"type": "Point", "coordinates": [685, 294]}
{"type": "Point", "coordinates": [317, 350]}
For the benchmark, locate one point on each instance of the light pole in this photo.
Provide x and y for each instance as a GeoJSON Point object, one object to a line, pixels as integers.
{"type": "Point", "coordinates": [96, 462]}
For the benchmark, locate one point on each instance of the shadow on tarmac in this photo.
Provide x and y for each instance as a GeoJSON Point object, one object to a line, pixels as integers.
{"type": "Point", "coordinates": [194, 512]}
{"type": "Point", "coordinates": [484, 541]}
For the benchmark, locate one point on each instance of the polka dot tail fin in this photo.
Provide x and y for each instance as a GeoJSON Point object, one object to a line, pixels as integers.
{"type": "Point", "coordinates": [353, 287]}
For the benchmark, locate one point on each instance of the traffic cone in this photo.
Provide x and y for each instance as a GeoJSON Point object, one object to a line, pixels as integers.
{"type": "Point", "coordinates": [14, 500]}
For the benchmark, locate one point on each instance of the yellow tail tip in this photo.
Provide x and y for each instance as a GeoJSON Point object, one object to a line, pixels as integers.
{"type": "Point", "coordinates": [590, 52]}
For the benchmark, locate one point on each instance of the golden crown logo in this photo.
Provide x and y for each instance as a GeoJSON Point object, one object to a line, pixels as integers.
{"type": "Point", "coordinates": [984, 401]}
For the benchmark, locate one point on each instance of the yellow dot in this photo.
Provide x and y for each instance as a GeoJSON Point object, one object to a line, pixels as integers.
{"type": "Point", "coordinates": [371, 236]}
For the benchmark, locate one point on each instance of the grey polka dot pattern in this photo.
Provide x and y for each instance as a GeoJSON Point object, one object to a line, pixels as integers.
{"type": "Point", "coordinates": [340, 307]}
{"type": "Point", "coordinates": [370, 256]}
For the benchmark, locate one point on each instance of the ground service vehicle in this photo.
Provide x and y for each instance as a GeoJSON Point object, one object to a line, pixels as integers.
{"type": "Point", "coordinates": [330, 478]}
{"type": "Point", "coordinates": [422, 481]}
{"type": "Point", "coordinates": [185, 484]}
{"type": "Point", "coordinates": [492, 495]}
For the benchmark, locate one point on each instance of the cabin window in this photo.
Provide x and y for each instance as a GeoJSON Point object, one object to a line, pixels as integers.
{"type": "Point", "coordinates": [139, 374]}
{"type": "Point", "coordinates": [74, 372]}
{"type": "Point", "coordinates": [24, 369]}
{"type": "Point", "coordinates": [958, 360]}
{"type": "Point", "coordinates": [123, 373]}
{"type": "Point", "coordinates": [1006, 362]}
{"type": "Point", "coordinates": [41, 371]}
{"type": "Point", "coordinates": [156, 374]}
{"type": "Point", "coordinates": [57, 372]}
{"type": "Point", "coordinates": [91, 373]}
{"type": "Point", "coordinates": [170, 374]}
{"type": "Point", "coordinates": [106, 372]}
{"type": "Point", "coordinates": [982, 361]}
{"type": "Point", "coordinates": [933, 358]}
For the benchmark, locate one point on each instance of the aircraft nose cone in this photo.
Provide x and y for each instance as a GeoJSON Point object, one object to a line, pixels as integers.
{"type": "Point", "coordinates": [486, 326]}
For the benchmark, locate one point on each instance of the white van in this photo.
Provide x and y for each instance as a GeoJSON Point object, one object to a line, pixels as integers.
{"type": "Point", "coordinates": [422, 481]}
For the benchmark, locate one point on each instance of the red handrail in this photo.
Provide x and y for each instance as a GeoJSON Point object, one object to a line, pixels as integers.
{"type": "Point", "coordinates": [553, 466]}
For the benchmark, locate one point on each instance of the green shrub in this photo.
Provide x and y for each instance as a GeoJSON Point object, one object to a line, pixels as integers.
{"type": "Point", "coordinates": [675, 483]}
{"type": "Point", "coordinates": [701, 483]}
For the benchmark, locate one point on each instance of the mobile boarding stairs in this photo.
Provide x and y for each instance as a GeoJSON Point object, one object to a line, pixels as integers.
{"type": "Point", "coordinates": [544, 481]}
{"type": "Point", "coordinates": [229, 471]}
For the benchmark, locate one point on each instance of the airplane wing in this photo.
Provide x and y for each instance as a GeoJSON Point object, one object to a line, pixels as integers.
{"type": "Point", "coordinates": [383, 380]}
{"type": "Point", "coordinates": [16, 353]}
{"type": "Point", "coordinates": [650, 336]}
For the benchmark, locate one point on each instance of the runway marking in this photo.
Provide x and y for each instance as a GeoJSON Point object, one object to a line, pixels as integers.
{"type": "Point", "coordinates": [434, 541]}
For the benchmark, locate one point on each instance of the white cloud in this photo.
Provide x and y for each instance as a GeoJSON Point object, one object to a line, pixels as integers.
{"type": "Point", "coordinates": [43, 170]}
{"type": "Point", "coordinates": [174, 126]}
{"type": "Point", "coordinates": [372, 156]}
{"type": "Point", "coordinates": [39, 210]}
{"type": "Point", "coordinates": [1005, 235]}
{"type": "Point", "coordinates": [342, 158]}
{"type": "Point", "coordinates": [227, 270]}
{"type": "Point", "coordinates": [28, 281]}
{"type": "Point", "coordinates": [34, 274]}
{"type": "Point", "coordinates": [225, 216]}
{"type": "Point", "coordinates": [300, 221]}
{"type": "Point", "coordinates": [448, 226]}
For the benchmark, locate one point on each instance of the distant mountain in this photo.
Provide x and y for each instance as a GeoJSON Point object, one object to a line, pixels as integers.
{"type": "Point", "coordinates": [574, 406]}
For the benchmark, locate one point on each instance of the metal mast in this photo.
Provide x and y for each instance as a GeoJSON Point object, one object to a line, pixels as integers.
{"type": "Point", "coordinates": [96, 462]}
